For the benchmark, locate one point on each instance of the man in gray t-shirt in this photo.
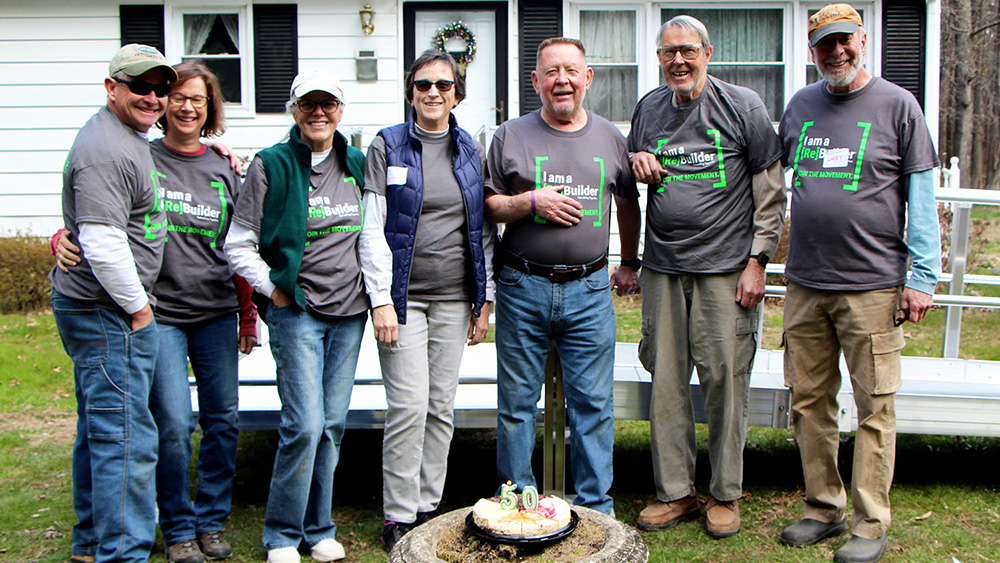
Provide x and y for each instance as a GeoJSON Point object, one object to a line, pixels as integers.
{"type": "Point", "coordinates": [714, 213]}
{"type": "Point", "coordinates": [862, 207]}
{"type": "Point", "coordinates": [551, 177]}
{"type": "Point", "coordinates": [103, 308]}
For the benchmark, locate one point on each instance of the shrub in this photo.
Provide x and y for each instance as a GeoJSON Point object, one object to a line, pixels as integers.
{"type": "Point", "coordinates": [25, 262]}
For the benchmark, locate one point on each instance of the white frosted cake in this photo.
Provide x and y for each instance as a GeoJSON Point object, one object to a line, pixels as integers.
{"type": "Point", "coordinates": [552, 515]}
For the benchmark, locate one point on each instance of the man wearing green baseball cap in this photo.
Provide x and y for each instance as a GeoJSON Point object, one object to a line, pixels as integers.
{"type": "Point", "coordinates": [103, 308]}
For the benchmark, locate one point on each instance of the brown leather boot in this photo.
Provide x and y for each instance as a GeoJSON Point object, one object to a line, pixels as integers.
{"type": "Point", "coordinates": [662, 515]}
{"type": "Point", "coordinates": [723, 518]}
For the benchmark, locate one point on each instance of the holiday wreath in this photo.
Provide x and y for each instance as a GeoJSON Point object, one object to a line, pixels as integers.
{"type": "Point", "coordinates": [457, 30]}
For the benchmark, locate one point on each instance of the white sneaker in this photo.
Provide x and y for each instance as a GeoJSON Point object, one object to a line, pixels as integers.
{"type": "Point", "coordinates": [283, 555]}
{"type": "Point", "coordinates": [328, 550]}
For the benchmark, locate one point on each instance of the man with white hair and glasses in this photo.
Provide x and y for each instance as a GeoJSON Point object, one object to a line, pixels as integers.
{"type": "Point", "coordinates": [715, 210]}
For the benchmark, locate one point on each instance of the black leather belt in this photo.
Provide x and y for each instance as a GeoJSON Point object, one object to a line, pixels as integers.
{"type": "Point", "coordinates": [555, 274]}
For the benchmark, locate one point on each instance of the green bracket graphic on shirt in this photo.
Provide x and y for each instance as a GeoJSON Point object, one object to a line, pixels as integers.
{"type": "Point", "coordinates": [866, 127]}
{"type": "Point", "coordinates": [663, 160]}
{"type": "Point", "coordinates": [147, 227]}
{"type": "Point", "coordinates": [798, 152]}
{"type": "Point", "coordinates": [540, 183]}
{"type": "Point", "coordinates": [222, 218]}
{"type": "Point", "coordinates": [722, 166]}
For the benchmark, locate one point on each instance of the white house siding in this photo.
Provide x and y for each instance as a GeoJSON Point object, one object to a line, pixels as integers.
{"type": "Point", "coordinates": [54, 56]}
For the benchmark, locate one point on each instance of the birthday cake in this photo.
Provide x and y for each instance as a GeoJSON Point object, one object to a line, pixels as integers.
{"type": "Point", "coordinates": [550, 515]}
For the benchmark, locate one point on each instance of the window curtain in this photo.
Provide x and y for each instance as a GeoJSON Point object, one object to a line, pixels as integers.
{"type": "Point", "coordinates": [232, 24]}
{"type": "Point", "coordinates": [609, 37]}
{"type": "Point", "coordinates": [196, 30]}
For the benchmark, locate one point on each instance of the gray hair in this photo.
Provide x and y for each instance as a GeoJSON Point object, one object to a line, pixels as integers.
{"type": "Point", "coordinates": [687, 23]}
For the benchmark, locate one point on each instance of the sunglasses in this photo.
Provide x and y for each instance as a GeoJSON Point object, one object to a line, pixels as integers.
{"type": "Point", "coordinates": [441, 85]}
{"type": "Point", "coordinates": [143, 88]}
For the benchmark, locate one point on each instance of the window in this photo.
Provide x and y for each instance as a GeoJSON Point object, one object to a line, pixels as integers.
{"type": "Point", "coordinates": [610, 39]}
{"type": "Point", "coordinates": [747, 49]}
{"type": "Point", "coordinates": [221, 39]}
{"type": "Point", "coordinates": [214, 39]}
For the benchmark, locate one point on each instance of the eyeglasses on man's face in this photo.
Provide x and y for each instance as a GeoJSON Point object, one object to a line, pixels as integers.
{"type": "Point", "coordinates": [688, 52]}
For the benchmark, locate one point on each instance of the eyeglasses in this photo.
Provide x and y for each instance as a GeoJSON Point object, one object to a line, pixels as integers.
{"type": "Point", "coordinates": [143, 88]}
{"type": "Point", "coordinates": [309, 106]}
{"type": "Point", "coordinates": [688, 52]}
{"type": "Point", "coordinates": [178, 99]}
{"type": "Point", "coordinates": [441, 85]}
{"type": "Point", "coordinates": [900, 317]}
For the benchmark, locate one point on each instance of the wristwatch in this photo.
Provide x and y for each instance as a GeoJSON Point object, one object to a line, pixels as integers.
{"type": "Point", "coordinates": [762, 259]}
{"type": "Point", "coordinates": [634, 263]}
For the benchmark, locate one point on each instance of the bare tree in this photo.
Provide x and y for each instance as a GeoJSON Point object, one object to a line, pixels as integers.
{"type": "Point", "coordinates": [970, 89]}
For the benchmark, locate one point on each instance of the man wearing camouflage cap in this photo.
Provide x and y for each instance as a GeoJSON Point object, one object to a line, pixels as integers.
{"type": "Point", "coordinates": [103, 308]}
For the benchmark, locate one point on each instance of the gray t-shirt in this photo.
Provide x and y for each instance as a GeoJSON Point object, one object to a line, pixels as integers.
{"type": "Point", "coordinates": [442, 265]}
{"type": "Point", "coordinates": [850, 154]}
{"type": "Point", "coordinates": [198, 191]}
{"type": "Point", "coordinates": [330, 273]}
{"type": "Point", "coordinates": [699, 219]}
{"type": "Point", "coordinates": [528, 154]}
{"type": "Point", "coordinates": [109, 179]}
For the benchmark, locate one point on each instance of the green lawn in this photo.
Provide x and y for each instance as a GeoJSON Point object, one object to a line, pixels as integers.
{"type": "Point", "coordinates": [946, 495]}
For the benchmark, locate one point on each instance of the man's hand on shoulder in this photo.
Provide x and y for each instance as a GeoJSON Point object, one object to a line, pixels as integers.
{"type": "Point", "coordinates": [142, 317]}
{"type": "Point", "coordinates": [750, 288]}
{"type": "Point", "coordinates": [916, 304]}
{"type": "Point", "coordinates": [647, 168]}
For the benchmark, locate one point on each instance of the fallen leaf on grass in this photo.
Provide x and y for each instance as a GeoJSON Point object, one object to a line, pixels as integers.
{"type": "Point", "coordinates": [51, 533]}
{"type": "Point", "coordinates": [953, 560]}
{"type": "Point", "coordinates": [57, 369]}
{"type": "Point", "coordinates": [14, 383]}
{"type": "Point", "coordinates": [924, 516]}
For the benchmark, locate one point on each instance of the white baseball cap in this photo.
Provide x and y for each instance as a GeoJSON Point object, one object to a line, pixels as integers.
{"type": "Point", "coordinates": [317, 80]}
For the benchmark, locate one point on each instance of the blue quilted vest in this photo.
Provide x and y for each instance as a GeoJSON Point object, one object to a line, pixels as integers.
{"type": "Point", "coordinates": [402, 148]}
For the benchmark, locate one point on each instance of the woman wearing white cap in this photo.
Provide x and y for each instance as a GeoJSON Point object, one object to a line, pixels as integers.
{"type": "Point", "coordinates": [298, 238]}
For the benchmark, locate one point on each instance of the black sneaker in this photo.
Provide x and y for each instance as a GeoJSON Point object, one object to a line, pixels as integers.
{"type": "Point", "coordinates": [424, 517]}
{"type": "Point", "coordinates": [392, 532]}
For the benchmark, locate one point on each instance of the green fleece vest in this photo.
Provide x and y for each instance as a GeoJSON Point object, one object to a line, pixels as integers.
{"type": "Point", "coordinates": [287, 167]}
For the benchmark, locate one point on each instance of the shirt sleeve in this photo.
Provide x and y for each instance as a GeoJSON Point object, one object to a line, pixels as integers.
{"type": "Point", "coordinates": [374, 252]}
{"type": "Point", "coordinates": [769, 202]}
{"type": "Point", "coordinates": [106, 248]}
{"type": "Point", "coordinates": [923, 235]}
{"type": "Point", "coordinates": [244, 259]}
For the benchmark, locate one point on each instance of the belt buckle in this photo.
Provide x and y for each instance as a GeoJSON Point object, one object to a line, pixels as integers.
{"type": "Point", "coordinates": [566, 272]}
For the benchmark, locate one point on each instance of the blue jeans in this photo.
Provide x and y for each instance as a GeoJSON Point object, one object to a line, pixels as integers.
{"type": "Point", "coordinates": [212, 348]}
{"type": "Point", "coordinates": [114, 456]}
{"type": "Point", "coordinates": [531, 311]}
{"type": "Point", "coordinates": [315, 359]}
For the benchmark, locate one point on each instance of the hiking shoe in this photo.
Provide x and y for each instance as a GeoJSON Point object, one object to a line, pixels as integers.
{"type": "Point", "coordinates": [214, 546]}
{"type": "Point", "coordinates": [861, 550]}
{"type": "Point", "coordinates": [424, 517]}
{"type": "Point", "coordinates": [722, 518]}
{"type": "Point", "coordinates": [185, 552]}
{"type": "Point", "coordinates": [283, 555]}
{"type": "Point", "coordinates": [328, 550]}
{"type": "Point", "coordinates": [82, 558]}
{"type": "Point", "coordinates": [662, 515]}
{"type": "Point", "coordinates": [809, 531]}
{"type": "Point", "coordinates": [392, 532]}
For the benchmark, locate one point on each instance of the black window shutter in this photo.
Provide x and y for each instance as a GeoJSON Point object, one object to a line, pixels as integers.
{"type": "Point", "coordinates": [276, 54]}
{"type": "Point", "coordinates": [538, 20]}
{"type": "Point", "coordinates": [903, 23]}
{"type": "Point", "coordinates": [142, 24]}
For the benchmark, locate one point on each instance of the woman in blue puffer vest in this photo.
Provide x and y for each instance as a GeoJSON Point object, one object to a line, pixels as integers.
{"type": "Point", "coordinates": [427, 174]}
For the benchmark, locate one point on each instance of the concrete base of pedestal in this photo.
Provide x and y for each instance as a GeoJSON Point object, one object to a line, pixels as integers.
{"type": "Point", "coordinates": [622, 543]}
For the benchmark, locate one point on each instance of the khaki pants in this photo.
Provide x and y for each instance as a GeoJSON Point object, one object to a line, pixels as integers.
{"type": "Point", "coordinates": [694, 321]}
{"type": "Point", "coordinates": [818, 325]}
